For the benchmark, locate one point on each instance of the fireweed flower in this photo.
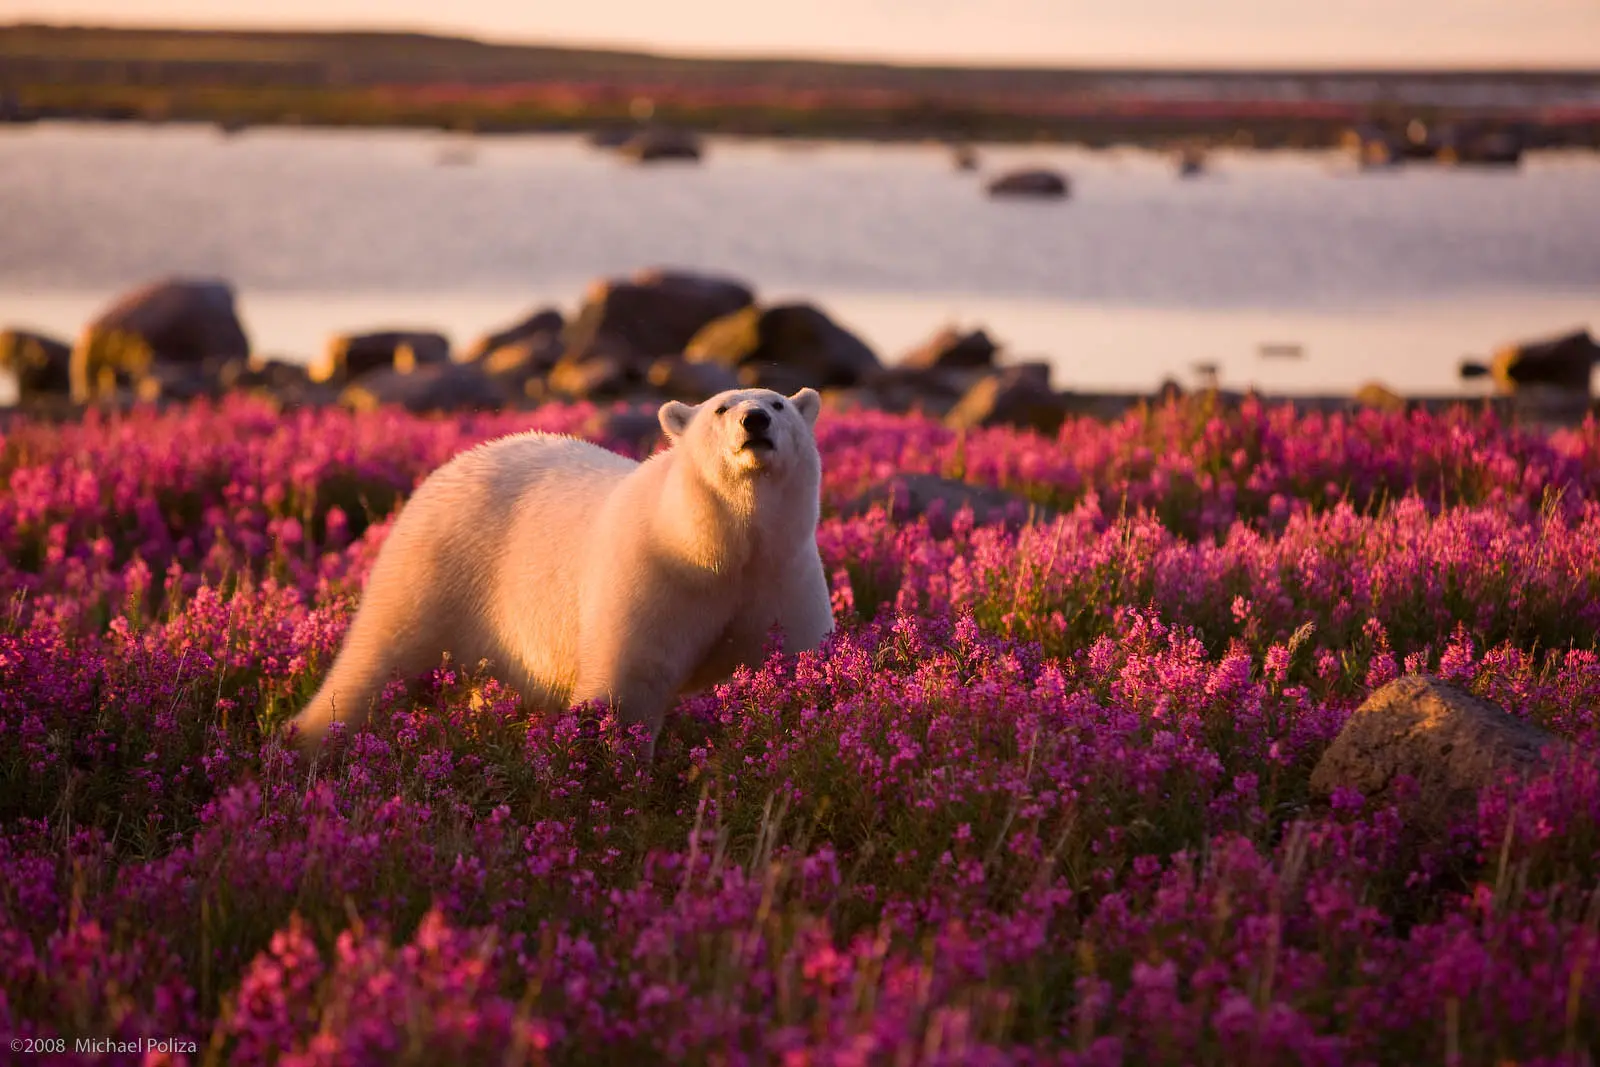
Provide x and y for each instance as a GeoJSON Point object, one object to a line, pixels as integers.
{"type": "Point", "coordinates": [1042, 799]}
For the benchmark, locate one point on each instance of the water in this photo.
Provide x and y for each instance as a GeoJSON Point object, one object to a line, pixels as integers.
{"type": "Point", "coordinates": [1139, 276]}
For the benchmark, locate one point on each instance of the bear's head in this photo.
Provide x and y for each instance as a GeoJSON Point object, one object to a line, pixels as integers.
{"type": "Point", "coordinates": [748, 432]}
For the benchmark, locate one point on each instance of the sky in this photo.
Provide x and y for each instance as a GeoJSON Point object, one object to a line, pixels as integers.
{"type": "Point", "coordinates": [1409, 33]}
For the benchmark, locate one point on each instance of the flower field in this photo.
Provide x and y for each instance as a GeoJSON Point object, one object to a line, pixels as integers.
{"type": "Point", "coordinates": [1044, 799]}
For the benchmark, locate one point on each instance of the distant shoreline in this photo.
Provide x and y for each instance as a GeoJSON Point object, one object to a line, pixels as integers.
{"type": "Point", "coordinates": [238, 79]}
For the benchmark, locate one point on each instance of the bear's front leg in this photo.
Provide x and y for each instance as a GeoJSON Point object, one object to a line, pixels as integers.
{"type": "Point", "coordinates": [638, 666]}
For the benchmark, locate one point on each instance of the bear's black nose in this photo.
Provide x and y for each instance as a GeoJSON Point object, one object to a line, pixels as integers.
{"type": "Point", "coordinates": [756, 421]}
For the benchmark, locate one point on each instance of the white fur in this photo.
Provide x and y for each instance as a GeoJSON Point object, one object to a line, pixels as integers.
{"type": "Point", "coordinates": [582, 575]}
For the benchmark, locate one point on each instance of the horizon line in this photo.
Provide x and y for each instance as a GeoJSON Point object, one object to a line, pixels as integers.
{"type": "Point", "coordinates": [829, 58]}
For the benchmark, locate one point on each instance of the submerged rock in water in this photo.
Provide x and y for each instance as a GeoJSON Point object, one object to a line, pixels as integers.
{"type": "Point", "coordinates": [1039, 183]}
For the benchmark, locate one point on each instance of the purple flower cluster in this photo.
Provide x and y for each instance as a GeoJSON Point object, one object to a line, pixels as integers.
{"type": "Point", "coordinates": [1044, 799]}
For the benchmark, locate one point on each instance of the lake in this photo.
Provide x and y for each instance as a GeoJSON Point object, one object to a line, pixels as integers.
{"type": "Point", "coordinates": [1140, 275]}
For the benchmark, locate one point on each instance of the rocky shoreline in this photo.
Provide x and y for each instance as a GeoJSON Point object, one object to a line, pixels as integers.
{"type": "Point", "coordinates": [639, 340]}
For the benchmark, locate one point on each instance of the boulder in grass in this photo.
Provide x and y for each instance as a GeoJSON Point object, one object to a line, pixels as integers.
{"type": "Point", "coordinates": [1018, 395]}
{"type": "Point", "coordinates": [653, 314]}
{"type": "Point", "coordinates": [912, 496]}
{"type": "Point", "coordinates": [181, 322]}
{"type": "Point", "coordinates": [41, 365]}
{"type": "Point", "coordinates": [350, 356]}
{"type": "Point", "coordinates": [1450, 743]}
{"type": "Point", "coordinates": [797, 338]}
{"type": "Point", "coordinates": [1036, 183]}
{"type": "Point", "coordinates": [438, 387]}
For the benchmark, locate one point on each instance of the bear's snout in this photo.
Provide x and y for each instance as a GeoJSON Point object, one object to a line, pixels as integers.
{"type": "Point", "coordinates": [756, 422]}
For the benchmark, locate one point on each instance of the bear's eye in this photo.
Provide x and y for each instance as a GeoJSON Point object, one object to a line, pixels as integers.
{"type": "Point", "coordinates": [723, 410]}
{"type": "Point", "coordinates": [777, 405]}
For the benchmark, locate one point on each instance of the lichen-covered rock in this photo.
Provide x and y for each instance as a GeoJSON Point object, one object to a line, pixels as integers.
{"type": "Point", "coordinates": [1449, 742]}
{"type": "Point", "coordinates": [1016, 396]}
{"type": "Point", "coordinates": [433, 388]}
{"type": "Point", "coordinates": [952, 348]}
{"type": "Point", "coordinates": [349, 356]}
{"type": "Point", "coordinates": [1565, 362]}
{"type": "Point", "coordinates": [1379, 397]}
{"type": "Point", "coordinates": [653, 314]}
{"type": "Point", "coordinates": [520, 360]}
{"type": "Point", "coordinates": [681, 380]}
{"type": "Point", "coordinates": [184, 322]}
{"type": "Point", "coordinates": [41, 365]}
{"type": "Point", "coordinates": [785, 344]}
{"type": "Point", "coordinates": [543, 326]}
{"type": "Point", "coordinates": [595, 378]}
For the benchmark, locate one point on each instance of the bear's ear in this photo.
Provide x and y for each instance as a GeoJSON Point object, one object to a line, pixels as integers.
{"type": "Point", "coordinates": [808, 403]}
{"type": "Point", "coordinates": [675, 418]}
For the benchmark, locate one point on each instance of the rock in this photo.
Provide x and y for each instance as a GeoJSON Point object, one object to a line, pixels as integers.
{"type": "Point", "coordinates": [1379, 397]}
{"type": "Point", "coordinates": [588, 379]}
{"type": "Point", "coordinates": [911, 496]}
{"type": "Point", "coordinates": [1041, 183]}
{"type": "Point", "coordinates": [1016, 396]}
{"type": "Point", "coordinates": [799, 338]}
{"type": "Point", "coordinates": [175, 321]}
{"type": "Point", "coordinates": [1565, 362]}
{"type": "Point", "coordinates": [661, 145]}
{"type": "Point", "coordinates": [546, 323]}
{"type": "Point", "coordinates": [41, 365]}
{"type": "Point", "coordinates": [964, 157]}
{"type": "Point", "coordinates": [653, 314]}
{"type": "Point", "coordinates": [1447, 740]}
{"type": "Point", "coordinates": [692, 382]}
{"type": "Point", "coordinates": [931, 391]}
{"type": "Point", "coordinates": [518, 361]}
{"type": "Point", "coordinates": [856, 398]}
{"type": "Point", "coordinates": [351, 356]}
{"type": "Point", "coordinates": [263, 373]}
{"type": "Point", "coordinates": [176, 383]}
{"type": "Point", "coordinates": [431, 388]}
{"type": "Point", "coordinates": [775, 376]}
{"type": "Point", "coordinates": [952, 348]}
{"type": "Point", "coordinates": [611, 137]}
{"type": "Point", "coordinates": [1476, 145]}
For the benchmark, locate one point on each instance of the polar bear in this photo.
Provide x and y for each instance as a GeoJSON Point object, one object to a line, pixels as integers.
{"type": "Point", "coordinates": [580, 575]}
